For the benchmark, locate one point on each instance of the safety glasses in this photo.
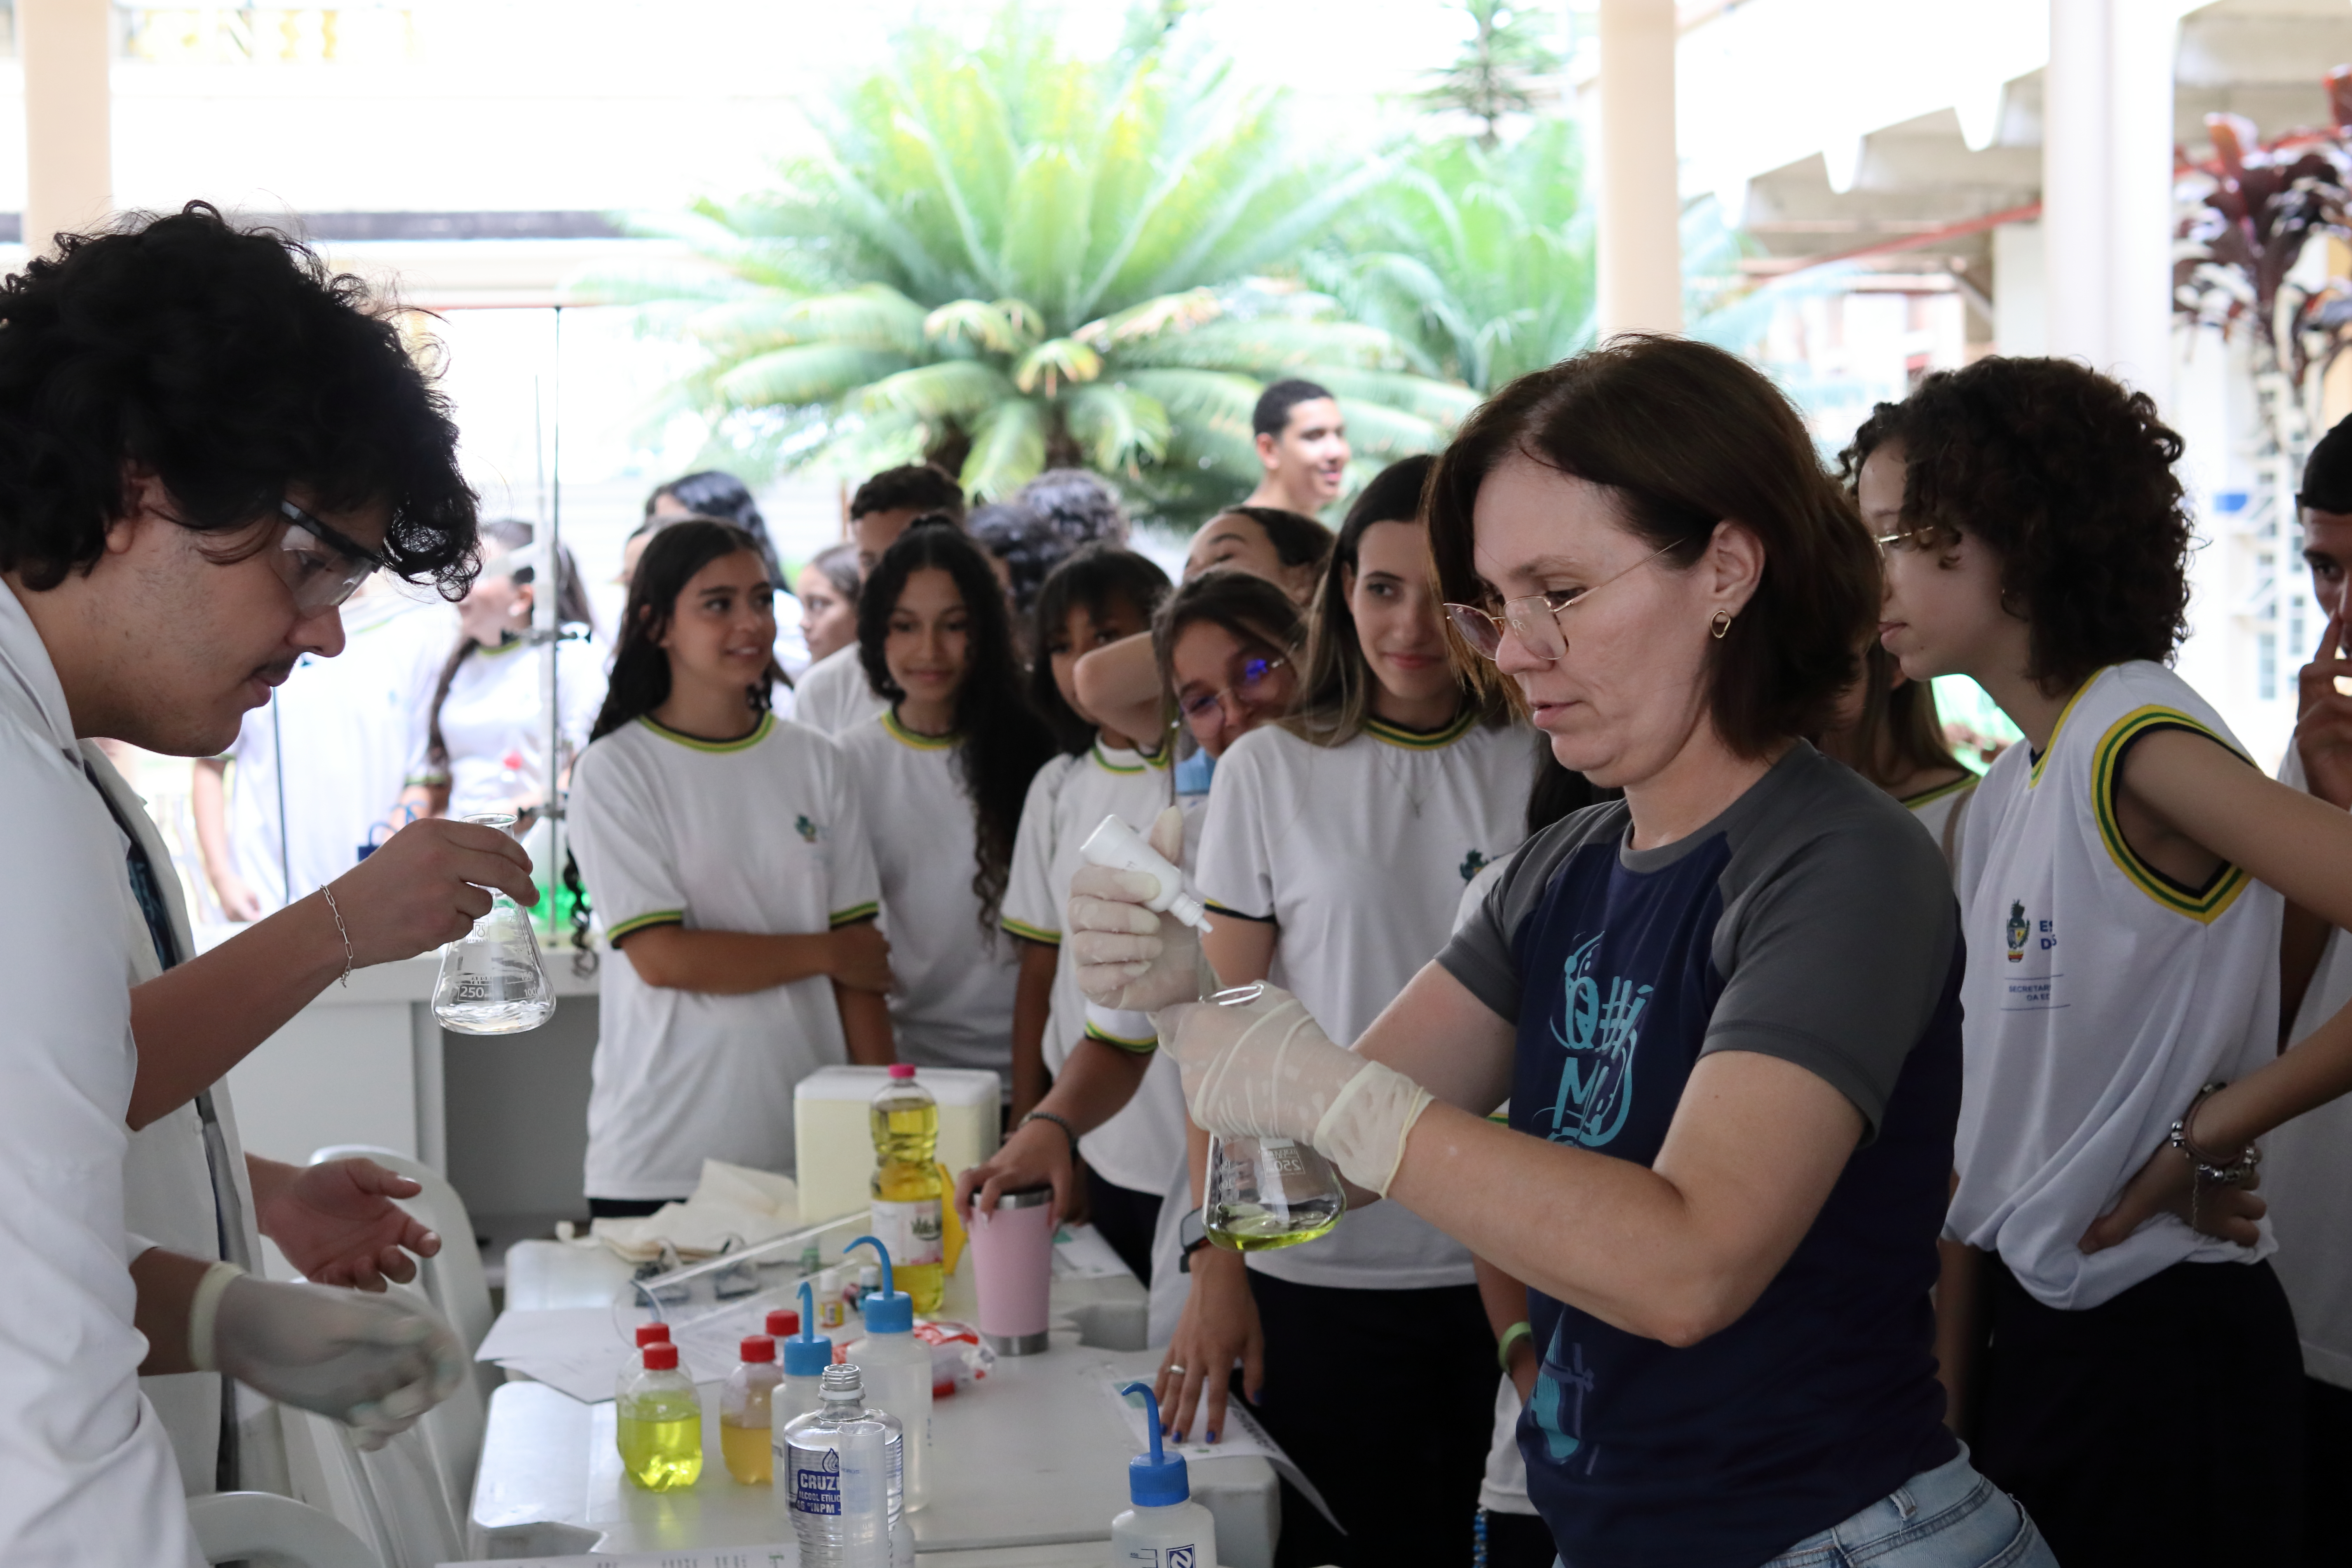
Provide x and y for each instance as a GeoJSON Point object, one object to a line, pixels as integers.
{"type": "Point", "coordinates": [319, 565]}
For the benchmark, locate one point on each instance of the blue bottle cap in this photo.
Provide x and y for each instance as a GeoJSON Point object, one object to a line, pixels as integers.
{"type": "Point", "coordinates": [1157, 1479]}
{"type": "Point", "coordinates": [887, 1312]}
{"type": "Point", "coordinates": [808, 1352]}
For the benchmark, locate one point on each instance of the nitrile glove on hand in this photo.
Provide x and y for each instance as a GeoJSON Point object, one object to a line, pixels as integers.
{"type": "Point", "coordinates": [730, 1203]}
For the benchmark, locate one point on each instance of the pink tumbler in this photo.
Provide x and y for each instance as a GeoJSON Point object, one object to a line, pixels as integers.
{"type": "Point", "coordinates": [1013, 1264]}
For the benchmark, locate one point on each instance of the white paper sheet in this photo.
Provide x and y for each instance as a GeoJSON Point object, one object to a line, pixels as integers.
{"type": "Point", "coordinates": [1243, 1437]}
{"type": "Point", "coordinates": [575, 1349]}
{"type": "Point", "coordinates": [785, 1556]}
{"type": "Point", "coordinates": [1081, 1253]}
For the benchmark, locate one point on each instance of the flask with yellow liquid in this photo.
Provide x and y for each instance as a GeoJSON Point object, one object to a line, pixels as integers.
{"type": "Point", "coordinates": [908, 1192]}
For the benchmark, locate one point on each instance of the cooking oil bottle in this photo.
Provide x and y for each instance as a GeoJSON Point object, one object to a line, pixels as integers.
{"type": "Point", "coordinates": [658, 1423]}
{"type": "Point", "coordinates": [908, 1192]}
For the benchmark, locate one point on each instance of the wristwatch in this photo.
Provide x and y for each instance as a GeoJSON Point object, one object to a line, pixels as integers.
{"type": "Point", "coordinates": [1191, 1234]}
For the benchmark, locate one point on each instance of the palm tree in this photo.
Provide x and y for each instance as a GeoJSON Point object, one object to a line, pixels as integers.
{"type": "Point", "coordinates": [1003, 258]}
{"type": "Point", "coordinates": [1480, 256]}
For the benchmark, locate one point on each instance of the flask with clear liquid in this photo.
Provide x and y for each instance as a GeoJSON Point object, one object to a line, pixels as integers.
{"type": "Point", "coordinates": [492, 980]}
{"type": "Point", "coordinates": [1262, 1192]}
{"type": "Point", "coordinates": [908, 1192]}
{"type": "Point", "coordinates": [839, 1472]}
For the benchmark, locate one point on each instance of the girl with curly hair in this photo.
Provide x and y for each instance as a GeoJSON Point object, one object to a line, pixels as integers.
{"type": "Point", "coordinates": [2105, 1314]}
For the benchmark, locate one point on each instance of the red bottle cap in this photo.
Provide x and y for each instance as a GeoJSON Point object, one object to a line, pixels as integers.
{"type": "Point", "coordinates": [902, 1069]}
{"type": "Point", "coordinates": [758, 1347]}
{"type": "Point", "coordinates": [661, 1357]}
{"type": "Point", "coordinates": [652, 1334]}
{"type": "Point", "coordinates": [784, 1323]}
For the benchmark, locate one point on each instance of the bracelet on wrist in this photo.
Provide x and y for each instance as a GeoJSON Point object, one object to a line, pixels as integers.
{"type": "Point", "coordinates": [1068, 1131]}
{"type": "Point", "coordinates": [2206, 1166]}
{"type": "Point", "coordinates": [1511, 1338]}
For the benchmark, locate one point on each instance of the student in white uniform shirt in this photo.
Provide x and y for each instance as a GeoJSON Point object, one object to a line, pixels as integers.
{"type": "Point", "coordinates": [1887, 731]}
{"type": "Point", "coordinates": [483, 745]}
{"type": "Point", "coordinates": [836, 695]}
{"type": "Point", "coordinates": [717, 494]}
{"type": "Point", "coordinates": [164, 567]}
{"type": "Point", "coordinates": [1098, 596]}
{"type": "Point", "coordinates": [321, 757]}
{"type": "Point", "coordinates": [725, 853]}
{"type": "Point", "coordinates": [941, 776]}
{"type": "Point", "coordinates": [1333, 859]}
{"type": "Point", "coordinates": [2120, 889]}
{"type": "Point", "coordinates": [1230, 645]}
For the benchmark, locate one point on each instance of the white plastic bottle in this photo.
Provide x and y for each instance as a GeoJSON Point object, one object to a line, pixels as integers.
{"type": "Point", "coordinates": [1165, 1529]}
{"type": "Point", "coordinates": [1116, 845]}
{"type": "Point", "coordinates": [841, 1477]}
{"type": "Point", "coordinates": [806, 1355]}
{"type": "Point", "coordinates": [898, 1368]}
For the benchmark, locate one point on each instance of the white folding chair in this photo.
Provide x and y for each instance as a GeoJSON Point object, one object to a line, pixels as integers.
{"type": "Point", "coordinates": [275, 1532]}
{"type": "Point", "coordinates": [392, 1499]}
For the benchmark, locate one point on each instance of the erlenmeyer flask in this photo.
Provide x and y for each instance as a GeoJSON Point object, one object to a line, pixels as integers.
{"type": "Point", "coordinates": [1264, 1193]}
{"type": "Point", "coordinates": [492, 982]}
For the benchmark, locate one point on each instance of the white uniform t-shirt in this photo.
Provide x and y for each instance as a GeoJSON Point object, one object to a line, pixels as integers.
{"type": "Point", "coordinates": [764, 835]}
{"type": "Point", "coordinates": [2100, 996]}
{"type": "Point", "coordinates": [1944, 812]}
{"type": "Point", "coordinates": [351, 725]}
{"type": "Point", "coordinates": [494, 726]}
{"type": "Point", "coordinates": [953, 1006]}
{"type": "Point", "coordinates": [1360, 853]}
{"type": "Point", "coordinates": [90, 1475]}
{"type": "Point", "coordinates": [2307, 1177]}
{"type": "Point", "coordinates": [834, 696]}
{"type": "Point", "coordinates": [1067, 800]}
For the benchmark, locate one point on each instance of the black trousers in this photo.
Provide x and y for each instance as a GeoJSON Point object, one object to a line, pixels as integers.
{"type": "Point", "coordinates": [2328, 1425]}
{"type": "Point", "coordinates": [2164, 1426]}
{"type": "Point", "coordinates": [1352, 1378]}
{"type": "Point", "coordinates": [626, 1208]}
{"type": "Point", "coordinates": [1127, 1219]}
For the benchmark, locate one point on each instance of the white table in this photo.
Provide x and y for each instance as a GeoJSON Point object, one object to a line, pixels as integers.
{"type": "Point", "coordinates": [1029, 1466]}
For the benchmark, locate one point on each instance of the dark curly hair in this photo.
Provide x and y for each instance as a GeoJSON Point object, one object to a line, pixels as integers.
{"type": "Point", "coordinates": [2070, 479]}
{"type": "Point", "coordinates": [1001, 742]}
{"type": "Point", "coordinates": [1687, 437]}
{"type": "Point", "coordinates": [230, 362]}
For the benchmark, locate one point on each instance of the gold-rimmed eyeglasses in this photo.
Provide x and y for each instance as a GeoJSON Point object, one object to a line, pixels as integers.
{"type": "Point", "coordinates": [1535, 617]}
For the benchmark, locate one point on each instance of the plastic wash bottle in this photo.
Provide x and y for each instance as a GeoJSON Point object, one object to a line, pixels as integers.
{"type": "Point", "coordinates": [898, 1368]}
{"type": "Point", "coordinates": [1165, 1529]}
{"type": "Point", "coordinates": [840, 1480]}
{"type": "Point", "coordinates": [744, 1433]}
{"type": "Point", "coordinates": [806, 1355]}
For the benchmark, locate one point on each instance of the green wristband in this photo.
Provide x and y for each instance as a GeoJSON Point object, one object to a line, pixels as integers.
{"type": "Point", "coordinates": [1511, 1336]}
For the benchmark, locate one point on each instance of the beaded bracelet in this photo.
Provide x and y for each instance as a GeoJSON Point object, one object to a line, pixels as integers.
{"type": "Point", "coordinates": [1068, 1131]}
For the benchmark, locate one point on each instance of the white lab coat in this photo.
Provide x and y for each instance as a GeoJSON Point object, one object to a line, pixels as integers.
{"type": "Point", "coordinates": [168, 1201]}
{"type": "Point", "coordinates": [90, 1475]}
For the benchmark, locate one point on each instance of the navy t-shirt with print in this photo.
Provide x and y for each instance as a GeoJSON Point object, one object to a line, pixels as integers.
{"type": "Point", "coordinates": [1813, 921]}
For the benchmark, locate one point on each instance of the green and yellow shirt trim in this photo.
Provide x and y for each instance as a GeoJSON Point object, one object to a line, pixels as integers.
{"type": "Point", "coordinates": [620, 928]}
{"type": "Point", "coordinates": [1145, 763]}
{"type": "Point", "coordinates": [759, 733]}
{"type": "Point", "coordinates": [1930, 796]}
{"type": "Point", "coordinates": [1142, 1048]}
{"type": "Point", "coordinates": [2058, 728]}
{"type": "Point", "coordinates": [915, 738]}
{"type": "Point", "coordinates": [2205, 904]}
{"type": "Point", "coordinates": [1027, 932]}
{"type": "Point", "coordinates": [851, 915]}
{"type": "Point", "coordinates": [1424, 740]}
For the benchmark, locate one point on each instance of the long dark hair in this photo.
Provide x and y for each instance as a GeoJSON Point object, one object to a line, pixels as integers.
{"type": "Point", "coordinates": [716, 494]}
{"type": "Point", "coordinates": [1335, 690]}
{"type": "Point", "coordinates": [572, 608]}
{"type": "Point", "coordinates": [641, 680]}
{"type": "Point", "coordinates": [1001, 742]}
{"type": "Point", "coordinates": [1097, 577]}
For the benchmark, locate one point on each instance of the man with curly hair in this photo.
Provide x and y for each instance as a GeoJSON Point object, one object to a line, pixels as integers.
{"type": "Point", "coordinates": [2113, 1343]}
{"type": "Point", "coordinates": [207, 444]}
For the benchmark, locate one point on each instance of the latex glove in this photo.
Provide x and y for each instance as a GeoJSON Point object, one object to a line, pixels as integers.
{"type": "Point", "coordinates": [1125, 956]}
{"type": "Point", "coordinates": [370, 1362]}
{"type": "Point", "coordinates": [1264, 1068]}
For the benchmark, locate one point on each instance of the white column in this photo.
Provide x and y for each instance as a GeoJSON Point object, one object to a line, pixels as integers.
{"type": "Point", "coordinates": [2107, 187]}
{"type": "Point", "coordinates": [69, 178]}
{"type": "Point", "coordinates": [1639, 236]}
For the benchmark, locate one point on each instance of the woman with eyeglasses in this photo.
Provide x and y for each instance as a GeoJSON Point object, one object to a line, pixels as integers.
{"type": "Point", "coordinates": [1726, 1009]}
{"type": "Point", "coordinates": [1228, 644]}
{"type": "Point", "coordinates": [1333, 856]}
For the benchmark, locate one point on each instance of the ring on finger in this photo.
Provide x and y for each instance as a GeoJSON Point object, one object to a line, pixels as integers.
{"type": "Point", "coordinates": [1173, 1370]}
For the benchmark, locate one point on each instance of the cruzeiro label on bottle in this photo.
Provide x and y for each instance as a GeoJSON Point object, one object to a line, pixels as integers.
{"type": "Point", "coordinates": [1164, 1557]}
{"type": "Point", "coordinates": [816, 1481]}
{"type": "Point", "coordinates": [910, 1230]}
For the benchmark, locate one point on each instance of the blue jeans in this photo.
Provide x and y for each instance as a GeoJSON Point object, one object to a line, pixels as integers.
{"type": "Point", "coordinates": [1950, 1517]}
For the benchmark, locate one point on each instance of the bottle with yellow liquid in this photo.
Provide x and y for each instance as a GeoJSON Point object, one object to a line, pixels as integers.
{"type": "Point", "coordinates": [746, 1414]}
{"type": "Point", "coordinates": [658, 1423]}
{"type": "Point", "coordinates": [908, 1192]}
